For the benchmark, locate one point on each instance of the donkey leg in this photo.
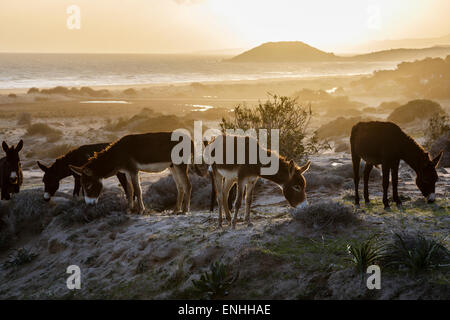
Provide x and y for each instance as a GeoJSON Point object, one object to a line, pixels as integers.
{"type": "Point", "coordinates": [356, 162]}
{"type": "Point", "coordinates": [225, 194]}
{"type": "Point", "coordinates": [218, 179]}
{"type": "Point", "coordinates": [183, 177]}
{"type": "Point", "coordinates": [385, 170]}
{"type": "Point", "coordinates": [237, 203]}
{"type": "Point", "coordinates": [130, 193]}
{"type": "Point", "coordinates": [123, 182]}
{"type": "Point", "coordinates": [77, 186]}
{"type": "Point", "coordinates": [394, 174]}
{"type": "Point", "coordinates": [213, 192]}
{"type": "Point", "coordinates": [179, 190]}
{"type": "Point", "coordinates": [248, 200]}
{"type": "Point", "coordinates": [138, 191]}
{"type": "Point", "coordinates": [367, 168]}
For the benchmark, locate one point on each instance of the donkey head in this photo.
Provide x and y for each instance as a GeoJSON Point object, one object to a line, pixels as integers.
{"type": "Point", "coordinates": [13, 161]}
{"type": "Point", "coordinates": [427, 177]}
{"type": "Point", "coordinates": [294, 187]}
{"type": "Point", "coordinates": [50, 179]}
{"type": "Point", "coordinates": [91, 184]}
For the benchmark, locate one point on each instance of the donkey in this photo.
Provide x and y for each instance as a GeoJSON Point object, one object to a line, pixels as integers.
{"type": "Point", "coordinates": [385, 143]}
{"type": "Point", "coordinates": [11, 176]}
{"type": "Point", "coordinates": [150, 152]}
{"type": "Point", "coordinates": [289, 178]}
{"type": "Point", "coordinates": [60, 169]}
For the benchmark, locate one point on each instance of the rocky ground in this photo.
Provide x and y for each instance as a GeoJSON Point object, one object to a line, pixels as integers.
{"type": "Point", "coordinates": [156, 256]}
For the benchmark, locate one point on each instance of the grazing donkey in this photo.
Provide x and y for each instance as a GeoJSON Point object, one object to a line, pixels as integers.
{"type": "Point", "coordinates": [11, 176]}
{"type": "Point", "coordinates": [60, 169]}
{"type": "Point", "coordinates": [289, 177]}
{"type": "Point", "coordinates": [149, 152]}
{"type": "Point", "coordinates": [385, 143]}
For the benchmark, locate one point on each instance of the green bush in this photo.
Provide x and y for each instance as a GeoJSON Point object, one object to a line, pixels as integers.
{"type": "Point", "coordinates": [365, 253]}
{"type": "Point", "coordinates": [282, 113]}
{"type": "Point", "coordinates": [416, 253]}
{"type": "Point", "coordinates": [215, 284]}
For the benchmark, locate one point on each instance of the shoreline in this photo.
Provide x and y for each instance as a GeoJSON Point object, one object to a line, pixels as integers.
{"type": "Point", "coordinates": [120, 87]}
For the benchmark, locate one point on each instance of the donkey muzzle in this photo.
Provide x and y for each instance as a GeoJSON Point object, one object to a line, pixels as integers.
{"type": "Point", "coordinates": [90, 201]}
{"type": "Point", "coordinates": [47, 196]}
{"type": "Point", "coordinates": [431, 198]}
{"type": "Point", "coordinates": [13, 177]}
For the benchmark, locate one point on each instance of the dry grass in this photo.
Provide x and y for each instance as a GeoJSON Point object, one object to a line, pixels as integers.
{"type": "Point", "coordinates": [162, 195]}
{"type": "Point", "coordinates": [325, 215]}
{"type": "Point", "coordinates": [42, 129]}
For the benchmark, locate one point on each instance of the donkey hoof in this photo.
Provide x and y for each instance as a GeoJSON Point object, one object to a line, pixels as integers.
{"type": "Point", "coordinates": [249, 224]}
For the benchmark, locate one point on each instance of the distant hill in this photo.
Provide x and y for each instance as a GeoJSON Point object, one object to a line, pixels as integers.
{"type": "Point", "coordinates": [297, 51]}
{"type": "Point", "coordinates": [286, 51]}
{"type": "Point", "coordinates": [403, 54]}
{"type": "Point", "coordinates": [413, 43]}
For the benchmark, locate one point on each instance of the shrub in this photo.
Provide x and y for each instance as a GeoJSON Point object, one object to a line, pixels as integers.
{"type": "Point", "coordinates": [416, 253]}
{"type": "Point", "coordinates": [437, 137]}
{"type": "Point", "coordinates": [215, 284]}
{"type": "Point", "coordinates": [415, 109]}
{"type": "Point", "coordinates": [12, 95]}
{"type": "Point", "coordinates": [130, 92]}
{"type": "Point", "coordinates": [56, 90]}
{"type": "Point", "coordinates": [325, 215]}
{"type": "Point", "coordinates": [21, 256]}
{"type": "Point", "coordinates": [337, 128]}
{"type": "Point", "coordinates": [42, 129]}
{"type": "Point", "coordinates": [365, 253]}
{"type": "Point", "coordinates": [438, 125]}
{"type": "Point", "coordinates": [33, 90]}
{"type": "Point", "coordinates": [281, 113]}
{"type": "Point", "coordinates": [24, 119]}
{"type": "Point", "coordinates": [388, 106]}
{"type": "Point", "coordinates": [162, 195]}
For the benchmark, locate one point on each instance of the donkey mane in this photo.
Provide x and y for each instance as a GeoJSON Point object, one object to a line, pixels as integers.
{"type": "Point", "coordinates": [413, 143]}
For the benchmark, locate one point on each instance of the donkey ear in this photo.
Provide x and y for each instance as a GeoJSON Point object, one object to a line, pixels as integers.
{"type": "Point", "coordinates": [305, 167]}
{"type": "Point", "coordinates": [42, 167]}
{"type": "Point", "coordinates": [292, 168]}
{"type": "Point", "coordinates": [436, 160]}
{"type": "Point", "coordinates": [5, 146]}
{"type": "Point", "coordinates": [77, 170]}
{"type": "Point", "coordinates": [19, 146]}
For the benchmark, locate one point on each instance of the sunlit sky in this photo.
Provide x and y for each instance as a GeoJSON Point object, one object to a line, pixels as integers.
{"type": "Point", "coordinates": [184, 26]}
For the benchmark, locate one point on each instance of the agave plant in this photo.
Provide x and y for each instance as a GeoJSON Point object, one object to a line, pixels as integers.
{"type": "Point", "coordinates": [216, 282]}
{"type": "Point", "coordinates": [366, 253]}
{"type": "Point", "coordinates": [21, 257]}
{"type": "Point", "coordinates": [417, 253]}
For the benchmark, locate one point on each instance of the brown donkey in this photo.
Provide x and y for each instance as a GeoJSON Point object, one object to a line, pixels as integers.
{"type": "Point", "coordinates": [150, 152]}
{"type": "Point", "coordinates": [289, 178]}
{"type": "Point", "coordinates": [11, 176]}
{"type": "Point", "coordinates": [385, 143]}
{"type": "Point", "coordinates": [60, 169]}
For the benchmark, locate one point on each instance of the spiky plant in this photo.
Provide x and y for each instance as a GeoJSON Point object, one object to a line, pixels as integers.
{"type": "Point", "coordinates": [416, 253]}
{"type": "Point", "coordinates": [216, 282]}
{"type": "Point", "coordinates": [365, 253]}
{"type": "Point", "coordinates": [21, 256]}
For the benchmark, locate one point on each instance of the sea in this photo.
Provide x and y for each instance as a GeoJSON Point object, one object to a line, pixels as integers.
{"type": "Point", "coordinates": [26, 70]}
